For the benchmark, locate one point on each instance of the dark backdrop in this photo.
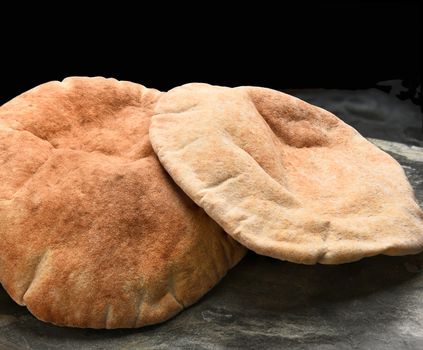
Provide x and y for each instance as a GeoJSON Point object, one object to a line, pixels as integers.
{"type": "Point", "coordinates": [301, 45]}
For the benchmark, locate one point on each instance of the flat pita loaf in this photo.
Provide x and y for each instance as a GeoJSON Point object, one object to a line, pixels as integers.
{"type": "Point", "coordinates": [285, 178]}
{"type": "Point", "coordinates": [93, 232]}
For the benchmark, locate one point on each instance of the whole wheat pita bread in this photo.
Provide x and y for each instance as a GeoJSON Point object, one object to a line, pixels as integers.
{"type": "Point", "coordinates": [93, 232]}
{"type": "Point", "coordinates": [283, 177]}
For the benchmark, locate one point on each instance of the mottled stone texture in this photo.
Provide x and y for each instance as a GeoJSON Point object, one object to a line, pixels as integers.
{"type": "Point", "coordinates": [265, 303]}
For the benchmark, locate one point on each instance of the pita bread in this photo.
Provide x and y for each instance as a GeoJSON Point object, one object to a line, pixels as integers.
{"type": "Point", "coordinates": [285, 178]}
{"type": "Point", "coordinates": [93, 232]}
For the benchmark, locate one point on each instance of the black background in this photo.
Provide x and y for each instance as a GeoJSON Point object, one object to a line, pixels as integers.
{"type": "Point", "coordinates": [289, 45]}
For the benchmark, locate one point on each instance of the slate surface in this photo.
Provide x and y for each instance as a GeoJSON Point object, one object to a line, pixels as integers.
{"type": "Point", "coordinates": [376, 303]}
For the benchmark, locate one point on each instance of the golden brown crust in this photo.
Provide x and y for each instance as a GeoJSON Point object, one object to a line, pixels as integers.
{"type": "Point", "coordinates": [93, 232]}
{"type": "Point", "coordinates": [283, 177]}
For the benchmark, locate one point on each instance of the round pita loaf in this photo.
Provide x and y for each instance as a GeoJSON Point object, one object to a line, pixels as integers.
{"type": "Point", "coordinates": [93, 232]}
{"type": "Point", "coordinates": [283, 177]}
